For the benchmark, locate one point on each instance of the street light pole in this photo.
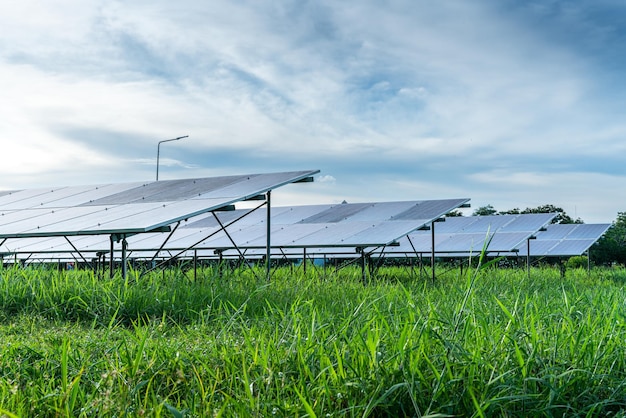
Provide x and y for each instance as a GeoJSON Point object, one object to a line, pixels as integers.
{"type": "Point", "coordinates": [159, 151]}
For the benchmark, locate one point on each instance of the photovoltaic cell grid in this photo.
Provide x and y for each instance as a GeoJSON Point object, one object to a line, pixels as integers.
{"type": "Point", "coordinates": [340, 225]}
{"type": "Point", "coordinates": [127, 208]}
{"type": "Point", "coordinates": [337, 229]}
{"type": "Point", "coordinates": [463, 236]}
{"type": "Point", "coordinates": [563, 240]}
{"type": "Point", "coordinates": [311, 226]}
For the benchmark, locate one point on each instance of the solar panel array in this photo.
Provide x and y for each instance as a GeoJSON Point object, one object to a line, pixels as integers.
{"type": "Point", "coordinates": [62, 222]}
{"type": "Point", "coordinates": [312, 226]}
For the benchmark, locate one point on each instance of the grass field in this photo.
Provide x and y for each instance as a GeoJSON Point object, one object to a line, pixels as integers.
{"type": "Point", "coordinates": [486, 343]}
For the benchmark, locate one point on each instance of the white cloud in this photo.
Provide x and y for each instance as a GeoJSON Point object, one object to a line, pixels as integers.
{"type": "Point", "coordinates": [326, 179]}
{"type": "Point", "coordinates": [465, 87]}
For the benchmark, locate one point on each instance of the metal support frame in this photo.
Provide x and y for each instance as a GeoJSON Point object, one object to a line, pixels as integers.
{"type": "Point", "coordinates": [101, 257]}
{"type": "Point", "coordinates": [118, 238]}
{"type": "Point", "coordinates": [268, 258]}
{"type": "Point", "coordinates": [124, 250]}
{"type": "Point", "coordinates": [374, 267]}
{"type": "Point", "coordinates": [220, 255]}
{"type": "Point", "coordinates": [156, 253]}
{"type": "Point", "coordinates": [111, 258]}
{"type": "Point", "coordinates": [222, 228]}
{"type": "Point", "coordinates": [417, 255]}
{"type": "Point", "coordinates": [78, 252]}
{"type": "Point", "coordinates": [528, 253]}
{"type": "Point", "coordinates": [361, 251]}
{"type": "Point", "coordinates": [432, 250]}
{"type": "Point", "coordinates": [23, 260]}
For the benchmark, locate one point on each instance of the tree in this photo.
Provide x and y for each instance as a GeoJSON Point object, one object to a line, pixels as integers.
{"type": "Point", "coordinates": [454, 213]}
{"type": "Point", "coordinates": [561, 217]}
{"type": "Point", "coordinates": [514, 211]}
{"type": "Point", "coordinates": [484, 211]}
{"type": "Point", "coordinates": [612, 246]}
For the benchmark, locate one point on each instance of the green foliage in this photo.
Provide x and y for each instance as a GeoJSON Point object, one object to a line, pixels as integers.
{"type": "Point", "coordinates": [485, 211]}
{"type": "Point", "coordinates": [611, 248]}
{"type": "Point", "coordinates": [576, 262]}
{"type": "Point", "coordinates": [561, 217]}
{"type": "Point", "coordinates": [486, 343]}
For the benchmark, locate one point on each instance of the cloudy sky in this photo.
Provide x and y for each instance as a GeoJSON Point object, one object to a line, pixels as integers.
{"type": "Point", "coordinates": [509, 103]}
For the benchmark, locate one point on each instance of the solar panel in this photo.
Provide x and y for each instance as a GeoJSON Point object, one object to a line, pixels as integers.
{"type": "Point", "coordinates": [565, 240]}
{"type": "Point", "coordinates": [127, 208]}
{"type": "Point", "coordinates": [59, 197]}
{"type": "Point", "coordinates": [166, 191]}
{"type": "Point", "coordinates": [530, 222]}
{"type": "Point", "coordinates": [429, 209]}
{"type": "Point", "coordinates": [588, 231]}
{"type": "Point", "coordinates": [341, 225]}
{"type": "Point", "coordinates": [335, 213]}
{"type": "Point", "coordinates": [468, 235]}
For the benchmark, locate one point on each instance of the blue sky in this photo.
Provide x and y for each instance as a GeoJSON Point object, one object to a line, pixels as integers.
{"type": "Point", "coordinates": [509, 103]}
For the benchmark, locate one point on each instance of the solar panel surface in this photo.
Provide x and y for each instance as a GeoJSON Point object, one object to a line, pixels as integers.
{"type": "Point", "coordinates": [564, 240]}
{"type": "Point", "coordinates": [339, 225]}
{"type": "Point", "coordinates": [127, 208]}
{"type": "Point", "coordinates": [467, 235]}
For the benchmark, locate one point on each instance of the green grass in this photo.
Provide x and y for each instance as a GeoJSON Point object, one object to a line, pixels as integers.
{"type": "Point", "coordinates": [484, 343]}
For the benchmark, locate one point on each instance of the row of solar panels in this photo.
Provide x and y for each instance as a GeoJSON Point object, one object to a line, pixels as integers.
{"type": "Point", "coordinates": [58, 222]}
{"type": "Point", "coordinates": [128, 208]}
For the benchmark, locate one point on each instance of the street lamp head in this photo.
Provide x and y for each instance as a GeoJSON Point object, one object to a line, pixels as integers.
{"type": "Point", "coordinates": [159, 151]}
{"type": "Point", "coordinates": [173, 139]}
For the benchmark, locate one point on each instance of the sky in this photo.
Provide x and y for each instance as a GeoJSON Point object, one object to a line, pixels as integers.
{"type": "Point", "coordinates": [513, 104]}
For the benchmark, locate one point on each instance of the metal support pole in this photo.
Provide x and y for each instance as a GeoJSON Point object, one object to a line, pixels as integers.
{"type": "Point", "coordinates": [124, 267]}
{"type": "Point", "coordinates": [102, 258]}
{"type": "Point", "coordinates": [304, 260]}
{"type": "Point", "coordinates": [363, 265]}
{"type": "Point", "coordinates": [528, 256]}
{"type": "Point", "coordinates": [220, 266]}
{"type": "Point", "coordinates": [432, 249]}
{"type": "Point", "coordinates": [195, 265]}
{"type": "Point", "coordinates": [111, 260]}
{"type": "Point", "coordinates": [269, 234]}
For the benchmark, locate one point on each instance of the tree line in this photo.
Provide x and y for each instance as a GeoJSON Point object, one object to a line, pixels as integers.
{"type": "Point", "coordinates": [561, 217]}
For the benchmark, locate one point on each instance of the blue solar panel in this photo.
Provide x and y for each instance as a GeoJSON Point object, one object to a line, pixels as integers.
{"type": "Point", "coordinates": [128, 207]}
